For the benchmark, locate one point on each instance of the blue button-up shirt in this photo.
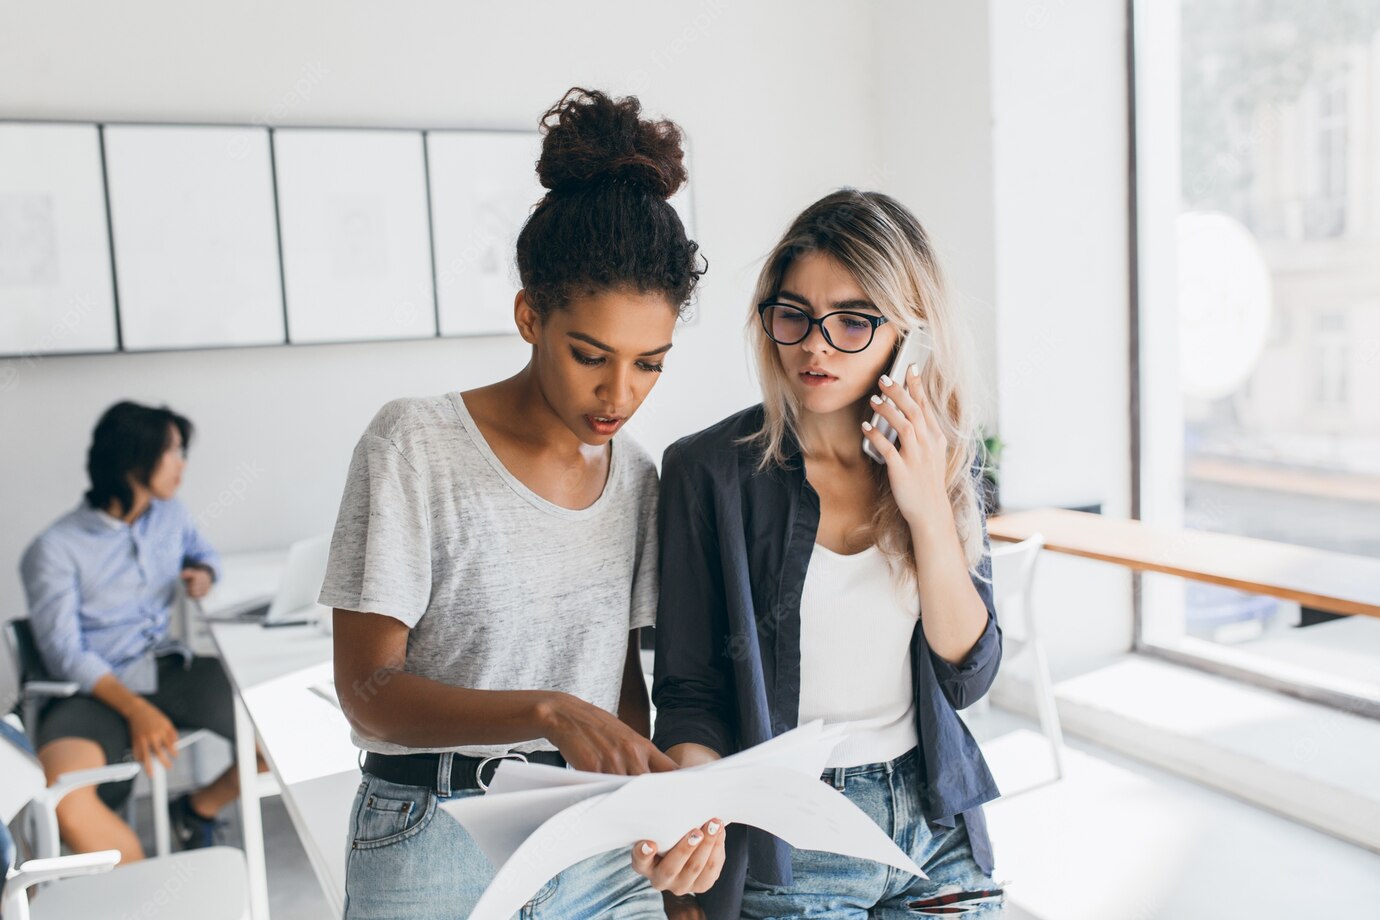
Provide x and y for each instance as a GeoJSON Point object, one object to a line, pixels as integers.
{"type": "Point", "coordinates": [100, 591]}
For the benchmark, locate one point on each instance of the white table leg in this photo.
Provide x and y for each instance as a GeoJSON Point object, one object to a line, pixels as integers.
{"type": "Point", "coordinates": [251, 819]}
{"type": "Point", "coordinates": [158, 798]}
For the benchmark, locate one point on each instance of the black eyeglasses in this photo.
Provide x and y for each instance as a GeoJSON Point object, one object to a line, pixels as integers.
{"type": "Point", "coordinates": [846, 330]}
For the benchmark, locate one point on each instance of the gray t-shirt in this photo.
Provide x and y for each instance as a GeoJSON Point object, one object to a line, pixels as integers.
{"type": "Point", "coordinates": [502, 589]}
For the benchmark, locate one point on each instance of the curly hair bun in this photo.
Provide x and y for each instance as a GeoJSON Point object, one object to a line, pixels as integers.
{"type": "Point", "coordinates": [593, 138]}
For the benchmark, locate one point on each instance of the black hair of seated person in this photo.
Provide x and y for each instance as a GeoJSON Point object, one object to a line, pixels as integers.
{"type": "Point", "coordinates": [605, 222]}
{"type": "Point", "coordinates": [128, 443]}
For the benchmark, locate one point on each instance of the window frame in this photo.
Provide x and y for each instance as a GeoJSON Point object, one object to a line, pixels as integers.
{"type": "Point", "coordinates": [1188, 651]}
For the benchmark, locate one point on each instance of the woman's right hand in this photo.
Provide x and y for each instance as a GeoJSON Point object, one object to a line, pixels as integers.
{"type": "Point", "coordinates": [596, 741]}
{"type": "Point", "coordinates": [152, 734]}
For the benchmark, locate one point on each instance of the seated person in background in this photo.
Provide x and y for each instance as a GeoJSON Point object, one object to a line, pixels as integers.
{"type": "Point", "coordinates": [100, 584]}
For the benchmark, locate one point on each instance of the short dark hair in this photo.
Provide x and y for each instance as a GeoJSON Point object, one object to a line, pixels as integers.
{"type": "Point", "coordinates": [605, 223]}
{"type": "Point", "coordinates": [129, 440]}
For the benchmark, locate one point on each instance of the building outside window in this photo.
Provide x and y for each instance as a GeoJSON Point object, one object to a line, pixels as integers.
{"type": "Point", "coordinates": [1258, 194]}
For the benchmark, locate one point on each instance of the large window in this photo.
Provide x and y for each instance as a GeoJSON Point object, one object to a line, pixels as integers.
{"type": "Point", "coordinates": [1258, 190]}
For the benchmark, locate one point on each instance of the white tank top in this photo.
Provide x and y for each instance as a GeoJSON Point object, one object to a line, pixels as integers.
{"type": "Point", "coordinates": [855, 634]}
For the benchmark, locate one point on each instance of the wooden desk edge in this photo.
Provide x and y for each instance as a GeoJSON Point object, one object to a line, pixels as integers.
{"type": "Point", "coordinates": [1017, 526]}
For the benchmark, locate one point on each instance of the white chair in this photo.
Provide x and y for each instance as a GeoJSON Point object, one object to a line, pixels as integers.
{"type": "Point", "coordinates": [20, 692]}
{"type": "Point", "coordinates": [19, 661]}
{"type": "Point", "coordinates": [1013, 579]}
{"type": "Point", "coordinates": [209, 884]}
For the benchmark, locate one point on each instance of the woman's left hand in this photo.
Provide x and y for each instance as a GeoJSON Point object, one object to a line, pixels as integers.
{"type": "Point", "coordinates": [916, 463]}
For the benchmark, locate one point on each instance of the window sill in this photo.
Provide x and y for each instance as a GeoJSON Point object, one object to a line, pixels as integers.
{"type": "Point", "coordinates": [1312, 763]}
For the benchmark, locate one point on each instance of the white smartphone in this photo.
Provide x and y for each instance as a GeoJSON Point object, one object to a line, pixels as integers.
{"type": "Point", "coordinates": [915, 349]}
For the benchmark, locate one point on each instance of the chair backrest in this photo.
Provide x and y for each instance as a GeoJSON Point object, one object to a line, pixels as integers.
{"type": "Point", "coordinates": [22, 772]}
{"type": "Point", "coordinates": [1013, 574]}
{"type": "Point", "coordinates": [11, 672]}
{"type": "Point", "coordinates": [31, 666]}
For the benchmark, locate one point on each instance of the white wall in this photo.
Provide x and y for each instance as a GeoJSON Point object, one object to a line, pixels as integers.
{"type": "Point", "coordinates": [775, 97]}
{"type": "Point", "coordinates": [1059, 153]}
{"type": "Point", "coordinates": [935, 111]}
{"type": "Point", "coordinates": [1001, 124]}
{"type": "Point", "coordinates": [1003, 128]}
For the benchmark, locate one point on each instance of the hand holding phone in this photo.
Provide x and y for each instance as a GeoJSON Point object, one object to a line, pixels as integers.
{"type": "Point", "coordinates": [915, 349]}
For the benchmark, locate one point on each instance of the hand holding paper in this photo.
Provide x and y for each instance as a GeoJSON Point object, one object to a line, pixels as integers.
{"type": "Point", "coordinates": [538, 821]}
{"type": "Point", "coordinates": [690, 867]}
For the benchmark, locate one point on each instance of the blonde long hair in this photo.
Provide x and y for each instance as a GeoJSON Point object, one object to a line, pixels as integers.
{"type": "Point", "coordinates": [889, 254]}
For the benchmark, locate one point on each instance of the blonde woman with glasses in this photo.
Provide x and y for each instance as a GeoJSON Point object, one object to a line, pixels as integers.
{"type": "Point", "coordinates": [804, 580]}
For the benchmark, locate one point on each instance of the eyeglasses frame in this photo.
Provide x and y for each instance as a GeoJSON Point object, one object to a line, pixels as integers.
{"type": "Point", "coordinates": [813, 321]}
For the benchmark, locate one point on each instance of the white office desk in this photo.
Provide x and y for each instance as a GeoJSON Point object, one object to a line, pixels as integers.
{"type": "Point", "coordinates": [304, 738]}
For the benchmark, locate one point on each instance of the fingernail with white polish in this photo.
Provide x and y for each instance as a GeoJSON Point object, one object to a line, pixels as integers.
{"type": "Point", "coordinates": [713, 828]}
{"type": "Point", "coordinates": [647, 849]}
{"type": "Point", "coordinates": [876, 400]}
{"type": "Point", "coordinates": [867, 426]}
{"type": "Point", "coordinates": [695, 838]}
{"type": "Point", "coordinates": [886, 381]}
{"type": "Point", "coordinates": [915, 370]}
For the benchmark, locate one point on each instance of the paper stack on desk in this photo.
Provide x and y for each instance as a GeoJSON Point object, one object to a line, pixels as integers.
{"type": "Point", "coordinates": [536, 821]}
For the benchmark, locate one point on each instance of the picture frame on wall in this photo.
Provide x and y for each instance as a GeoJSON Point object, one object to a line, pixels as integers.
{"type": "Point", "coordinates": [483, 186]}
{"type": "Point", "coordinates": [683, 200]}
{"type": "Point", "coordinates": [146, 237]}
{"type": "Point", "coordinates": [353, 214]}
{"type": "Point", "coordinates": [195, 236]}
{"type": "Point", "coordinates": [684, 203]}
{"type": "Point", "coordinates": [56, 291]}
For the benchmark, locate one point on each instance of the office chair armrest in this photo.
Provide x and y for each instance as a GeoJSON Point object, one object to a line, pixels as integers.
{"type": "Point", "coordinates": [158, 772]}
{"type": "Point", "coordinates": [37, 871]}
{"type": "Point", "coordinates": [80, 779]}
{"type": "Point", "coordinates": [191, 738]}
{"type": "Point", "coordinates": [43, 806]}
{"type": "Point", "coordinates": [40, 689]}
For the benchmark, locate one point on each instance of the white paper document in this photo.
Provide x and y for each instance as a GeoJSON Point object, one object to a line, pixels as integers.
{"type": "Point", "coordinates": [536, 821]}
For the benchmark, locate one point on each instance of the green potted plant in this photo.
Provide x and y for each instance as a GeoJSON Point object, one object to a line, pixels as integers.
{"type": "Point", "coordinates": [991, 472]}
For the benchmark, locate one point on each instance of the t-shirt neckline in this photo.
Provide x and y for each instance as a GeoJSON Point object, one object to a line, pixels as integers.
{"type": "Point", "coordinates": [862, 553]}
{"type": "Point", "coordinates": [517, 485]}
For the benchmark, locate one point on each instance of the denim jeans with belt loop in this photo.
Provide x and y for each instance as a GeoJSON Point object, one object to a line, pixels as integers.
{"type": "Point", "coordinates": [827, 885]}
{"type": "Point", "coordinates": [406, 859]}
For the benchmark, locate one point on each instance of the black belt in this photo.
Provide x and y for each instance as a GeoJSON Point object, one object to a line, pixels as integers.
{"type": "Point", "coordinates": [465, 772]}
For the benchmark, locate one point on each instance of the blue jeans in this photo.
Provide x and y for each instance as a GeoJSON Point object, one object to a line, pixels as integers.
{"type": "Point", "coordinates": [827, 885]}
{"type": "Point", "coordinates": [408, 860]}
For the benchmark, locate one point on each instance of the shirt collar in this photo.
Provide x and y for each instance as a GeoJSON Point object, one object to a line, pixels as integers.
{"type": "Point", "coordinates": [791, 451]}
{"type": "Point", "coordinates": [97, 519]}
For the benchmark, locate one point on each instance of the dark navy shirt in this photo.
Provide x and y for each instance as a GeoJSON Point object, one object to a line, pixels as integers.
{"type": "Point", "coordinates": [735, 546]}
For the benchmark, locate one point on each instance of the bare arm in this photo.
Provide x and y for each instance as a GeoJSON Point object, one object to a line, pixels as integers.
{"type": "Point", "coordinates": [955, 616]}
{"type": "Point", "coordinates": [151, 733]}
{"type": "Point", "coordinates": [381, 700]}
{"type": "Point", "coordinates": [117, 696]}
{"type": "Point", "coordinates": [692, 755]}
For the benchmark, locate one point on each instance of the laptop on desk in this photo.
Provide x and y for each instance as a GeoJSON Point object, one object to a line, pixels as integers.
{"type": "Point", "coordinates": [295, 599]}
